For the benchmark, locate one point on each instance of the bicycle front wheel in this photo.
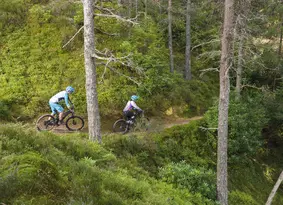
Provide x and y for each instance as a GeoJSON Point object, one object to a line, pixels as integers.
{"type": "Point", "coordinates": [45, 123]}
{"type": "Point", "coordinates": [75, 123]}
{"type": "Point", "coordinates": [142, 124]}
{"type": "Point", "coordinates": [121, 126]}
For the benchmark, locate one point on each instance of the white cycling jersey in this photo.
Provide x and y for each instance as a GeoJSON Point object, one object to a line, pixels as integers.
{"type": "Point", "coordinates": [130, 105]}
{"type": "Point", "coordinates": [63, 95]}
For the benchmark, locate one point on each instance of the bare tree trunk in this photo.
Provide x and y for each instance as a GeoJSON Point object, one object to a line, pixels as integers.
{"type": "Point", "coordinates": [160, 6]}
{"type": "Point", "coordinates": [145, 8]}
{"type": "Point", "coordinates": [130, 8]}
{"type": "Point", "coordinates": [90, 70]}
{"type": "Point", "coordinates": [188, 75]}
{"type": "Point", "coordinates": [137, 6]}
{"type": "Point", "coordinates": [242, 24]}
{"type": "Point", "coordinates": [280, 41]}
{"type": "Point", "coordinates": [226, 41]}
{"type": "Point", "coordinates": [240, 65]}
{"type": "Point", "coordinates": [273, 192]}
{"type": "Point", "coordinates": [170, 36]}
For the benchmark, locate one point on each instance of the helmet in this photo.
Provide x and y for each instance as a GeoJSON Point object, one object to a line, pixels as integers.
{"type": "Point", "coordinates": [70, 89]}
{"type": "Point", "coordinates": [134, 97]}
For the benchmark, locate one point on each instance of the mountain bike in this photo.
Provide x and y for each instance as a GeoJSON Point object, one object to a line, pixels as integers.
{"type": "Point", "coordinates": [138, 122]}
{"type": "Point", "coordinates": [48, 122]}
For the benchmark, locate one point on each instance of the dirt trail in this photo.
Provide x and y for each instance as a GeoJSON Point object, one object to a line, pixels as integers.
{"type": "Point", "coordinates": [181, 121]}
{"type": "Point", "coordinates": [156, 124]}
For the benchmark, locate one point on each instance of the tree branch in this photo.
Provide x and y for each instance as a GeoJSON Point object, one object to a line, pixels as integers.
{"type": "Point", "coordinates": [73, 37]}
{"type": "Point", "coordinates": [113, 15]}
{"type": "Point", "coordinates": [205, 43]}
{"type": "Point", "coordinates": [203, 71]}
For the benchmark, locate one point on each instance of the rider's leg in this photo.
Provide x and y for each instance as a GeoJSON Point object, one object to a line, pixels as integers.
{"type": "Point", "coordinates": [60, 116]}
{"type": "Point", "coordinates": [56, 108]}
{"type": "Point", "coordinates": [128, 115]}
{"type": "Point", "coordinates": [53, 109]}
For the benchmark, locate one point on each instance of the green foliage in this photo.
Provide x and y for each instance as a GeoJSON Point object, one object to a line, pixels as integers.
{"type": "Point", "coordinates": [195, 179]}
{"type": "Point", "coordinates": [247, 118]}
{"type": "Point", "coordinates": [34, 64]}
{"type": "Point", "coordinates": [67, 169]}
{"type": "Point", "coordinates": [173, 145]}
{"type": "Point", "coordinates": [29, 173]}
{"type": "Point", "coordinates": [238, 197]}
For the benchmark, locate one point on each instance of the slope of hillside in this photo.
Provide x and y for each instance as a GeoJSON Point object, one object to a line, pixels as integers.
{"type": "Point", "coordinates": [175, 166]}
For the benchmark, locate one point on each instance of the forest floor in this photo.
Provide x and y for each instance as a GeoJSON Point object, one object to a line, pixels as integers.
{"type": "Point", "coordinates": [157, 124]}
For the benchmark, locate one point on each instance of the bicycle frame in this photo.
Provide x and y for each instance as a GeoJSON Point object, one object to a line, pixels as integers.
{"type": "Point", "coordinates": [65, 114]}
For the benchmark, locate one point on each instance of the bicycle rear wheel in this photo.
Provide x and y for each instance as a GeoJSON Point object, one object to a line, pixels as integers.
{"type": "Point", "coordinates": [121, 126]}
{"type": "Point", "coordinates": [75, 123]}
{"type": "Point", "coordinates": [45, 123]}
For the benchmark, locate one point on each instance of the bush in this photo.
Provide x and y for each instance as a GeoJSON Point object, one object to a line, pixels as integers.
{"type": "Point", "coordinates": [247, 118]}
{"type": "Point", "coordinates": [238, 197]}
{"type": "Point", "coordinates": [195, 179]}
{"type": "Point", "coordinates": [30, 174]}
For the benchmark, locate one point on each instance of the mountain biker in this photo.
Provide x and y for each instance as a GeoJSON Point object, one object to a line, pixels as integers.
{"type": "Point", "coordinates": [54, 102]}
{"type": "Point", "coordinates": [131, 107]}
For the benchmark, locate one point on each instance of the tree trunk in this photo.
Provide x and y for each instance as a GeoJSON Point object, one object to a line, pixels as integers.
{"type": "Point", "coordinates": [188, 75]}
{"type": "Point", "coordinates": [137, 6]}
{"type": "Point", "coordinates": [145, 8]}
{"type": "Point", "coordinates": [226, 41]}
{"type": "Point", "coordinates": [273, 192]}
{"type": "Point", "coordinates": [130, 8]}
{"type": "Point", "coordinates": [240, 64]}
{"type": "Point", "coordinates": [280, 41]}
{"type": "Point", "coordinates": [242, 24]}
{"type": "Point", "coordinates": [170, 36]}
{"type": "Point", "coordinates": [90, 70]}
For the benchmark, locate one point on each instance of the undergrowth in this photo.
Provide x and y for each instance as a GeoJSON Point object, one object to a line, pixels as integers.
{"type": "Point", "coordinates": [176, 166]}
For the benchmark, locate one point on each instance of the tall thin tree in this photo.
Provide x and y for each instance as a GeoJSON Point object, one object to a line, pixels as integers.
{"type": "Point", "coordinates": [170, 44]}
{"type": "Point", "coordinates": [241, 35]}
{"type": "Point", "coordinates": [226, 42]}
{"type": "Point", "coordinates": [90, 71]}
{"type": "Point", "coordinates": [280, 40]}
{"type": "Point", "coordinates": [188, 75]}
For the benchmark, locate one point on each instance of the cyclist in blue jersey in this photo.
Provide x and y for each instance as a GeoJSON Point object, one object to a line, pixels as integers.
{"type": "Point", "coordinates": [131, 107]}
{"type": "Point", "coordinates": [54, 102]}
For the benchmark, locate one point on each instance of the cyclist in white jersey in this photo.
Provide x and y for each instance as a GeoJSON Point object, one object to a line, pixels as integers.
{"type": "Point", "coordinates": [131, 106]}
{"type": "Point", "coordinates": [54, 102]}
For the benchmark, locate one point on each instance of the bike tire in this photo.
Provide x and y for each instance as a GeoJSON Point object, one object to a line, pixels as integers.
{"type": "Point", "coordinates": [75, 123]}
{"type": "Point", "coordinates": [46, 122]}
{"type": "Point", "coordinates": [142, 124]}
{"type": "Point", "coordinates": [121, 126]}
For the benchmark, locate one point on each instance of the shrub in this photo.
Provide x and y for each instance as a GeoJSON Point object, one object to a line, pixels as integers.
{"type": "Point", "coordinates": [247, 118]}
{"type": "Point", "coordinates": [195, 179]}
{"type": "Point", "coordinates": [238, 197]}
{"type": "Point", "coordinates": [30, 174]}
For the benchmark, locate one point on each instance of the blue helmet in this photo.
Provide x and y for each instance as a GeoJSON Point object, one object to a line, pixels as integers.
{"type": "Point", "coordinates": [70, 89]}
{"type": "Point", "coordinates": [135, 97]}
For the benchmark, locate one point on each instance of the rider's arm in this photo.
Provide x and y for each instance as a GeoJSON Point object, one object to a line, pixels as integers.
{"type": "Point", "coordinates": [66, 97]}
{"type": "Point", "coordinates": [135, 106]}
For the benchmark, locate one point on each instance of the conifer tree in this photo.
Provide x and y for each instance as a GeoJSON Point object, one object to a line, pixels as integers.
{"type": "Point", "coordinates": [90, 70]}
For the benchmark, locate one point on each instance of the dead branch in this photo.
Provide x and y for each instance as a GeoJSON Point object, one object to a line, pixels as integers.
{"type": "Point", "coordinates": [205, 43]}
{"type": "Point", "coordinates": [107, 58]}
{"type": "Point", "coordinates": [106, 33]}
{"type": "Point", "coordinates": [73, 37]}
{"type": "Point", "coordinates": [203, 71]}
{"type": "Point", "coordinates": [121, 74]}
{"type": "Point", "coordinates": [253, 86]}
{"type": "Point", "coordinates": [113, 15]}
{"type": "Point", "coordinates": [208, 128]}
